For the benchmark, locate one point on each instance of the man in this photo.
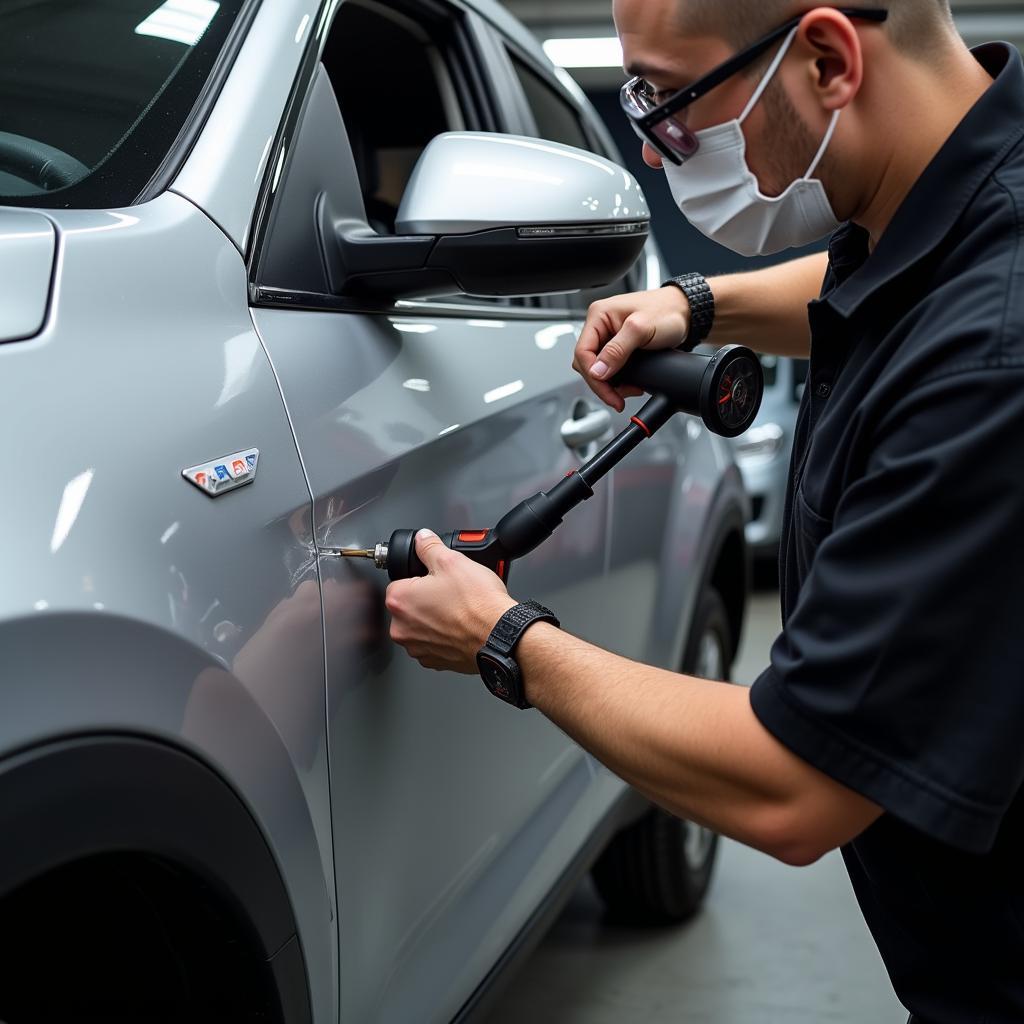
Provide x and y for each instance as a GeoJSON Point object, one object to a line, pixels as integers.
{"type": "Point", "coordinates": [890, 722]}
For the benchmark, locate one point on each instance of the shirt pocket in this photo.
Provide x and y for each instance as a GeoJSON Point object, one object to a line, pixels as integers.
{"type": "Point", "coordinates": [810, 529]}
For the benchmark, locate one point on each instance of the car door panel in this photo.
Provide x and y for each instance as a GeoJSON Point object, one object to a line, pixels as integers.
{"type": "Point", "coordinates": [443, 421]}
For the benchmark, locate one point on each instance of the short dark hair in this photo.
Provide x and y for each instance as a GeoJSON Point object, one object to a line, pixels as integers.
{"type": "Point", "coordinates": [914, 26]}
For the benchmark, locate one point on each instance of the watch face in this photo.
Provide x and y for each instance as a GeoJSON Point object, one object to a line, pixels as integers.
{"type": "Point", "coordinates": [497, 676]}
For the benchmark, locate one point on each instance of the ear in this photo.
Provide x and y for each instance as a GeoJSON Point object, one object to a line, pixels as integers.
{"type": "Point", "coordinates": [835, 60]}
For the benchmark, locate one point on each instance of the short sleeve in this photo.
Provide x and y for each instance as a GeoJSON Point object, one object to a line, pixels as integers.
{"type": "Point", "coordinates": [900, 671]}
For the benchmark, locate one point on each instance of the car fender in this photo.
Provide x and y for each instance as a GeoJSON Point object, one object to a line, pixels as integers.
{"type": "Point", "coordinates": [125, 689]}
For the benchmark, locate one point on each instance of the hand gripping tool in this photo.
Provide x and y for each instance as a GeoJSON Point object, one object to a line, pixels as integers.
{"type": "Point", "coordinates": [724, 389]}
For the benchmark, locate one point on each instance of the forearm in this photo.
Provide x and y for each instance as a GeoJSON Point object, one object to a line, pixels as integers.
{"type": "Point", "coordinates": [767, 309]}
{"type": "Point", "coordinates": [691, 745]}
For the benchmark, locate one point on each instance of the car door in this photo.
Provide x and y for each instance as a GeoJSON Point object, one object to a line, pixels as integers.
{"type": "Point", "coordinates": [453, 814]}
{"type": "Point", "coordinates": [649, 491]}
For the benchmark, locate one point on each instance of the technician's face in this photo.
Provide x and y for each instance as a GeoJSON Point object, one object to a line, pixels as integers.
{"type": "Point", "coordinates": [655, 48]}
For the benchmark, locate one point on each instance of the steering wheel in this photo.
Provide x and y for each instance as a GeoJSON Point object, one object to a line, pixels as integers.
{"type": "Point", "coordinates": [46, 166]}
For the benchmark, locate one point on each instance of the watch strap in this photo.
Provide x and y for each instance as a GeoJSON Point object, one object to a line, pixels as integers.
{"type": "Point", "coordinates": [511, 626]}
{"type": "Point", "coordinates": [702, 307]}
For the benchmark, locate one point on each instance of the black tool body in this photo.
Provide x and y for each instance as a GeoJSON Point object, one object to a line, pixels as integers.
{"type": "Point", "coordinates": [724, 389]}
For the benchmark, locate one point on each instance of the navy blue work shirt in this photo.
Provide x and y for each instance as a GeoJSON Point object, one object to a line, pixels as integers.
{"type": "Point", "coordinates": [900, 668]}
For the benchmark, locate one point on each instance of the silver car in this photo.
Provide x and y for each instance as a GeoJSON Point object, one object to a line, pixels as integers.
{"type": "Point", "coordinates": [276, 278]}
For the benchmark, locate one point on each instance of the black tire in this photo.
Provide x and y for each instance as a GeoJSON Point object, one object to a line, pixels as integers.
{"type": "Point", "coordinates": [658, 870]}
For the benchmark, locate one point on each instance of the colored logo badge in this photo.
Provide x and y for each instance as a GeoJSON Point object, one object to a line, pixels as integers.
{"type": "Point", "coordinates": [215, 478]}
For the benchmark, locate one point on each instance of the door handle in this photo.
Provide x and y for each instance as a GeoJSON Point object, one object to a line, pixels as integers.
{"type": "Point", "coordinates": [577, 433]}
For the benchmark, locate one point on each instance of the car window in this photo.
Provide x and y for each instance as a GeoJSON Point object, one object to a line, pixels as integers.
{"type": "Point", "coordinates": [557, 120]}
{"type": "Point", "coordinates": [395, 90]}
{"type": "Point", "coordinates": [93, 95]}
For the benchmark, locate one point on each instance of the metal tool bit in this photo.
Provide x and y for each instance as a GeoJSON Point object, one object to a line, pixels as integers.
{"type": "Point", "coordinates": [379, 554]}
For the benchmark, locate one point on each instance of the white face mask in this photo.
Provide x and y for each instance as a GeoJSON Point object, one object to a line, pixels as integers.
{"type": "Point", "coordinates": [720, 196]}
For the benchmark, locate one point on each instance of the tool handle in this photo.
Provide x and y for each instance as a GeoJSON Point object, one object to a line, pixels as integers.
{"type": "Point", "coordinates": [482, 546]}
{"type": "Point", "coordinates": [724, 389]}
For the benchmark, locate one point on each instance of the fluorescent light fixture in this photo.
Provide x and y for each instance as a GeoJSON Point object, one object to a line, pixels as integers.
{"type": "Point", "coordinates": [181, 21]}
{"type": "Point", "coordinates": [595, 52]}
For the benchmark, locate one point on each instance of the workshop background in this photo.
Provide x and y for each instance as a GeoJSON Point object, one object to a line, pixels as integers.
{"type": "Point", "coordinates": [773, 944]}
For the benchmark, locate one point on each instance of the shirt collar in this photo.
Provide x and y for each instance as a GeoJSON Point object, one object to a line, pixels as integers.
{"type": "Point", "coordinates": [938, 198]}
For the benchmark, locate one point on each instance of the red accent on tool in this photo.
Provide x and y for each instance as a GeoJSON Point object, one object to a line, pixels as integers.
{"type": "Point", "coordinates": [640, 423]}
{"type": "Point", "coordinates": [473, 536]}
{"type": "Point", "coordinates": [501, 571]}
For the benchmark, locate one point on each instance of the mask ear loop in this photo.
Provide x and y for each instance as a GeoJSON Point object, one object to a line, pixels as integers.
{"type": "Point", "coordinates": [769, 74]}
{"type": "Point", "coordinates": [824, 145]}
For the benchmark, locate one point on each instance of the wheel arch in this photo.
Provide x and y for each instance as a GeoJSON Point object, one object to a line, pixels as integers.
{"type": "Point", "coordinates": [730, 576]}
{"type": "Point", "coordinates": [77, 798]}
{"type": "Point", "coordinates": [106, 680]}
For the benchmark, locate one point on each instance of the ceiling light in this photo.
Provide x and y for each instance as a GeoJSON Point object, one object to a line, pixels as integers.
{"type": "Point", "coordinates": [596, 52]}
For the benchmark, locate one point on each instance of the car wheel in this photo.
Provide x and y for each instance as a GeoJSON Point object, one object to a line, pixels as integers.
{"type": "Point", "coordinates": [657, 870]}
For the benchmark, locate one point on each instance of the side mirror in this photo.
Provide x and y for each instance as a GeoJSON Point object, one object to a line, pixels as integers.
{"type": "Point", "coordinates": [495, 215]}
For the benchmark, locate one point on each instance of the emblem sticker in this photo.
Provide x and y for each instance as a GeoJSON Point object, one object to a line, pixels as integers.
{"type": "Point", "coordinates": [225, 474]}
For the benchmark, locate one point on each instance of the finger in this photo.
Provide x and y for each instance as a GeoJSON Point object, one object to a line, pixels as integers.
{"type": "Point", "coordinates": [431, 549]}
{"type": "Point", "coordinates": [637, 331]}
{"type": "Point", "coordinates": [601, 389]}
{"type": "Point", "coordinates": [624, 391]}
{"type": "Point", "coordinates": [599, 327]}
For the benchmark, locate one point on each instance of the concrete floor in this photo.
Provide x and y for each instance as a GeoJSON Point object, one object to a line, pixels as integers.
{"type": "Point", "coordinates": [773, 945]}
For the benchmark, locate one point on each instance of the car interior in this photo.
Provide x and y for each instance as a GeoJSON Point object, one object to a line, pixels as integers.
{"type": "Point", "coordinates": [395, 94]}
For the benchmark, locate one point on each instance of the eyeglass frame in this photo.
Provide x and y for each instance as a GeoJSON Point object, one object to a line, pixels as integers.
{"type": "Point", "coordinates": [643, 123]}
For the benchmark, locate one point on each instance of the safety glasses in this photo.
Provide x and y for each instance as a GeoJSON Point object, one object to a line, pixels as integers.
{"type": "Point", "coordinates": [656, 124]}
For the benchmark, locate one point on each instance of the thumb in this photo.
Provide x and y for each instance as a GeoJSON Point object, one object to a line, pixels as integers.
{"type": "Point", "coordinates": [636, 332]}
{"type": "Point", "coordinates": [430, 549]}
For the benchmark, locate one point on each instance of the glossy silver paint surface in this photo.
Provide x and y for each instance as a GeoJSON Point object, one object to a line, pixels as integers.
{"type": "Point", "coordinates": [472, 181]}
{"type": "Point", "coordinates": [27, 250]}
{"type": "Point", "coordinates": [418, 823]}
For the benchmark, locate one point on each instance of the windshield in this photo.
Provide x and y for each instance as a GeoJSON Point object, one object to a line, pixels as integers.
{"type": "Point", "coordinates": [93, 93]}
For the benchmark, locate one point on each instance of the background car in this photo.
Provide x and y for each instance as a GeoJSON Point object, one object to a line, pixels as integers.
{"type": "Point", "coordinates": [226, 796]}
{"type": "Point", "coordinates": [764, 451]}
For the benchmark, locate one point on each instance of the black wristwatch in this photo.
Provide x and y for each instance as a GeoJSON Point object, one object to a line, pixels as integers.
{"type": "Point", "coordinates": [499, 670]}
{"type": "Point", "coordinates": [702, 307]}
